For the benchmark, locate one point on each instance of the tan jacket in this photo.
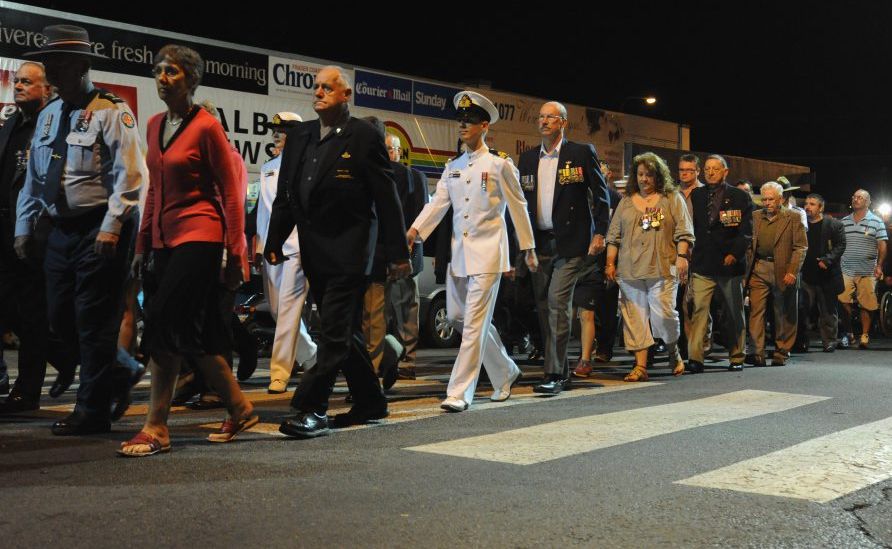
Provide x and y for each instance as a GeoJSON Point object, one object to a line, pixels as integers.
{"type": "Point", "coordinates": [790, 244]}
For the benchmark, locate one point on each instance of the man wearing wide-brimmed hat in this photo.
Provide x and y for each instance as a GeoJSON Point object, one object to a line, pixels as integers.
{"type": "Point", "coordinates": [85, 170]}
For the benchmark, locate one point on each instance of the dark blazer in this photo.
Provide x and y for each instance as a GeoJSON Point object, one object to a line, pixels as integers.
{"type": "Point", "coordinates": [352, 196]}
{"type": "Point", "coordinates": [714, 242]}
{"type": "Point", "coordinates": [574, 222]}
{"type": "Point", "coordinates": [830, 250]}
{"type": "Point", "coordinates": [8, 204]}
{"type": "Point", "coordinates": [408, 182]}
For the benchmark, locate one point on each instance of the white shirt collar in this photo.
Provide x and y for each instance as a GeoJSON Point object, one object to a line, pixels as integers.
{"type": "Point", "coordinates": [555, 152]}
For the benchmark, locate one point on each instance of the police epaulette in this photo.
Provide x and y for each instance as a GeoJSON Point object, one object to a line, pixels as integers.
{"type": "Point", "coordinates": [456, 157]}
{"type": "Point", "coordinates": [500, 154]}
{"type": "Point", "coordinates": [109, 96]}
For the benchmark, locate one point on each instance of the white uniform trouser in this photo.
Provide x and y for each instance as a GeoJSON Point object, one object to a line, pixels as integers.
{"type": "Point", "coordinates": [470, 302]}
{"type": "Point", "coordinates": [286, 290]}
{"type": "Point", "coordinates": [648, 308]}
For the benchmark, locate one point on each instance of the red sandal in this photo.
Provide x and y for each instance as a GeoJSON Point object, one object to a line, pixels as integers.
{"type": "Point", "coordinates": [143, 439]}
{"type": "Point", "coordinates": [230, 429]}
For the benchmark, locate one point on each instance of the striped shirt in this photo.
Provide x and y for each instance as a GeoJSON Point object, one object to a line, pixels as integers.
{"type": "Point", "coordinates": [860, 257]}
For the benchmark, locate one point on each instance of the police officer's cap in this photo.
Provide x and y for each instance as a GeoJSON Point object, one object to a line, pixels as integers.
{"type": "Point", "coordinates": [284, 119]}
{"type": "Point", "coordinates": [472, 103]}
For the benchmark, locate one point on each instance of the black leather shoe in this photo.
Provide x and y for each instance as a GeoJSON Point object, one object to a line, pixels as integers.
{"type": "Point", "coordinates": [360, 416]}
{"type": "Point", "coordinates": [305, 425]}
{"type": "Point", "coordinates": [735, 367]}
{"type": "Point", "coordinates": [405, 373]}
{"type": "Point", "coordinates": [15, 403]}
{"type": "Point", "coordinates": [80, 423]}
{"type": "Point", "coordinates": [750, 359]}
{"type": "Point", "coordinates": [553, 385]}
{"type": "Point", "coordinates": [4, 383]}
{"type": "Point", "coordinates": [659, 347]}
{"type": "Point", "coordinates": [535, 354]}
{"type": "Point", "coordinates": [758, 361]}
{"type": "Point", "coordinates": [125, 378]}
{"type": "Point", "coordinates": [247, 364]}
{"type": "Point", "coordinates": [63, 381]}
{"type": "Point", "coordinates": [829, 348]}
{"type": "Point", "coordinates": [800, 348]}
{"type": "Point", "coordinates": [694, 367]}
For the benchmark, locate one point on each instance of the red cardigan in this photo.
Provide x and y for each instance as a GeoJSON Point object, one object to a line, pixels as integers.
{"type": "Point", "coordinates": [195, 190]}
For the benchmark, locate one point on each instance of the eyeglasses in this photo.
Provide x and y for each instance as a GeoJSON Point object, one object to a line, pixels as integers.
{"type": "Point", "coordinates": [392, 148]}
{"type": "Point", "coordinates": [169, 71]}
{"type": "Point", "coordinates": [714, 170]}
{"type": "Point", "coordinates": [550, 117]}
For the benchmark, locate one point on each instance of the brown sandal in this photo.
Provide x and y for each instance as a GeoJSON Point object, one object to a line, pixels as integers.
{"type": "Point", "coordinates": [143, 439]}
{"type": "Point", "coordinates": [230, 429]}
{"type": "Point", "coordinates": [638, 373]}
{"type": "Point", "coordinates": [679, 368]}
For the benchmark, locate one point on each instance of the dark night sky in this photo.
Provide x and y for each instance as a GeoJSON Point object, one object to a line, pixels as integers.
{"type": "Point", "coordinates": [777, 80]}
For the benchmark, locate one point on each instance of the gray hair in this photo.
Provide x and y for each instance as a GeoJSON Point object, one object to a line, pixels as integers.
{"type": "Point", "coordinates": [343, 79]}
{"type": "Point", "coordinates": [774, 186]}
{"type": "Point", "coordinates": [560, 107]}
{"type": "Point", "coordinates": [718, 157]}
{"type": "Point", "coordinates": [866, 194]}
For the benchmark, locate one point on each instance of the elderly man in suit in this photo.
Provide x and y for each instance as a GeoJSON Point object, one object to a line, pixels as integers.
{"type": "Point", "coordinates": [336, 187]}
{"type": "Point", "coordinates": [557, 179]}
{"type": "Point", "coordinates": [478, 185]}
{"type": "Point", "coordinates": [723, 228]}
{"type": "Point", "coordinates": [776, 255]}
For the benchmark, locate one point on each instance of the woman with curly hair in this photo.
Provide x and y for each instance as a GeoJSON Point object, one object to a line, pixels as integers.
{"type": "Point", "coordinates": [647, 255]}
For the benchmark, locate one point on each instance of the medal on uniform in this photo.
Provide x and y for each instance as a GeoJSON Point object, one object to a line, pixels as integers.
{"type": "Point", "coordinates": [527, 182]}
{"type": "Point", "coordinates": [83, 121]}
{"type": "Point", "coordinates": [652, 218]}
{"type": "Point", "coordinates": [484, 177]}
{"type": "Point", "coordinates": [47, 125]}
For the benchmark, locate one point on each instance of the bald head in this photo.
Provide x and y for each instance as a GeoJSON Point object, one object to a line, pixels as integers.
{"type": "Point", "coordinates": [31, 90]}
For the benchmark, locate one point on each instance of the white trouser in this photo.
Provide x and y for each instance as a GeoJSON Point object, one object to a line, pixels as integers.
{"type": "Point", "coordinates": [286, 290]}
{"type": "Point", "coordinates": [470, 302]}
{"type": "Point", "coordinates": [648, 308]}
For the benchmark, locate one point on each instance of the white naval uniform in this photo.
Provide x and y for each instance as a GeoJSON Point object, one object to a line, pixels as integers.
{"type": "Point", "coordinates": [479, 257]}
{"type": "Point", "coordinates": [285, 286]}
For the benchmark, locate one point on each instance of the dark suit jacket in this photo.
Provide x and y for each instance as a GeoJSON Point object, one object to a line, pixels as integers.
{"type": "Point", "coordinates": [351, 197]}
{"type": "Point", "coordinates": [574, 222]}
{"type": "Point", "coordinates": [18, 181]}
{"type": "Point", "coordinates": [408, 183]}
{"type": "Point", "coordinates": [714, 242]}
{"type": "Point", "coordinates": [830, 250]}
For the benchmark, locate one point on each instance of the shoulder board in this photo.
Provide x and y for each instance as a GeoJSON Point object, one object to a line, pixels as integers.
{"type": "Point", "coordinates": [109, 96]}
{"type": "Point", "coordinates": [456, 157]}
{"type": "Point", "coordinates": [498, 153]}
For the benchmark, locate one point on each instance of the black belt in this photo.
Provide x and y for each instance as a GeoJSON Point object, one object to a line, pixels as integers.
{"type": "Point", "coordinates": [84, 221]}
{"type": "Point", "coordinates": [545, 233]}
{"type": "Point", "coordinates": [766, 258]}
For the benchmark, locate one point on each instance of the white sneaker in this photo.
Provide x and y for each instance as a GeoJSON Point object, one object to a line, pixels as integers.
{"type": "Point", "coordinates": [277, 387]}
{"type": "Point", "coordinates": [452, 404]}
{"type": "Point", "coordinates": [501, 394]}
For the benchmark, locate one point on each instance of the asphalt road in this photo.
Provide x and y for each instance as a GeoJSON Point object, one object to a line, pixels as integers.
{"type": "Point", "coordinates": [794, 456]}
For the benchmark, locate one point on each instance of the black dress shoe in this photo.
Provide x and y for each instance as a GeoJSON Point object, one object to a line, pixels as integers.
{"type": "Point", "coordinates": [758, 361]}
{"type": "Point", "coordinates": [405, 373]}
{"type": "Point", "coordinates": [305, 425]}
{"type": "Point", "coordinates": [750, 359]}
{"type": "Point", "coordinates": [659, 346]}
{"type": "Point", "coordinates": [534, 354]}
{"type": "Point", "coordinates": [63, 381]}
{"type": "Point", "coordinates": [15, 403]}
{"type": "Point", "coordinates": [800, 348]}
{"type": "Point", "coordinates": [694, 367]}
{"type": "Point", "coordinates": [247, 364]}
{"type": "Point", "coordinates": [4, 383]}
{"type": "Point", "coordinates": [124, 379]}
{"type": "Point", "coordinates": [829, 348]}
{"type": "Point", "coordinates": [360, 416]}
{"type": "Point", "coordinates": [553, 385]}
{"type": "Point", "coordinates": [80, 423]}
{"type": "Point", "coordinates": [735, 367]}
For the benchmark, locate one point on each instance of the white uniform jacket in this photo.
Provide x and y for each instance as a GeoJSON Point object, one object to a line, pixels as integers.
{"type": "Point", "coordinates": [478, 186]}
{"type": "Point", "coordinates": [269, 178]}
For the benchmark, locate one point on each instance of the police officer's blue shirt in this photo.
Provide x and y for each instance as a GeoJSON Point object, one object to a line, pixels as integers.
{"type": "Point", "coordinates": [104, 165]}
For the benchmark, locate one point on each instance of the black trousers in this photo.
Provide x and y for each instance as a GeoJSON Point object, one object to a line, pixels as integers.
{"type": "Point", "coordinates": [23, 301]}
{"type": "Point", "coordinates": [341, 346]}
{"type": "Point", "coordinates": [85, 302]}
{"type": "Point", "coordinates": [606, 320]}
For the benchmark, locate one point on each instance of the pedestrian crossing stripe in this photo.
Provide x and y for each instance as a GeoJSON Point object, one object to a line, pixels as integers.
{"type": "Point", "coordinates": [559, 439]}
{"type": "Point", "coordinates": [819, 470]}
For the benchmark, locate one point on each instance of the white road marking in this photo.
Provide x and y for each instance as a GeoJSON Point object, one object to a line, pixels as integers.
{"type": "Point", "coordinates": [819, 470]}
{"type": "Point", "coordinates": [569, 437]}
